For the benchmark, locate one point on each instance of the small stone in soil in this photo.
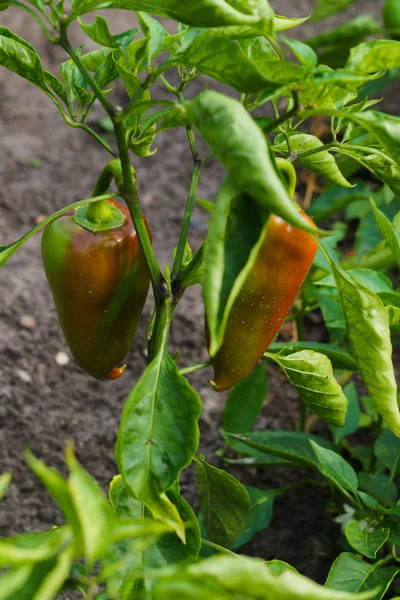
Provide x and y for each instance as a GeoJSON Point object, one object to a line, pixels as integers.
{"type": "Point", "coordinates": [62, 359]}
{"type": "Point", "coordinates": [28, 321]}
{"type": "Point", "coordinates": [24, 376]}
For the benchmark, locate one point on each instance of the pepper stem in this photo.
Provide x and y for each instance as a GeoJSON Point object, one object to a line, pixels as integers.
{"type": "Point", "coordinates": [100, 212]}
{"type": "Point", "coordinates": [290, 173]}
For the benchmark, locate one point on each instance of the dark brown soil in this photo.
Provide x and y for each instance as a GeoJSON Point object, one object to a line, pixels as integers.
{"type": "Point", "coordinates": [44, 404]}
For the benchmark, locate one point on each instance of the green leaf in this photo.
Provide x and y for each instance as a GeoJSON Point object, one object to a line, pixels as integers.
{"type": "Point", "coordinates": [158, 435]}
{"type": "Point", "coordinates": [260, 513]}
{"type": "Point", "coordinates": [380, 486]}
{"type": "Point", "coordinates": [55, 579]}
{"type": "Point", "coordinates": [201, 13]}
{"type": "Point", "coordinates": [351, 574]}
{"type": "Point", "coordinates": [245, 401]}
{"type": "Point", "coordinates": [224, 503]}
{"type": "Point", "coordinates": [375, 161]}
{"type": "Point", "coordinates": [312, 376]}
{"type": "Point", "coordinates": [339, 358]}
{"type": "Point", "coordinates": [13, 580]}
{"type": "Point", "coordinates": [92, 509]}
{"type": "Point", "coordinates": [285, 23]}
{"type": "Point", "coordinates": [156, 549]}
{"type": "Point", "coordinates": [370, 57]}
{"type": "Point", "coordinates": [58, 488]}
{"type": "Point", "coordinates": [227, 264]}
{"type": "Point", "coordinates": [303, 52]}
{"type": "Point", "coordinates": [373, 280]}
{"type": "Point", "coordinates": [258, 50]}
{"type": "Point", "coordinates": [100, 33]}
{"type": "Point", "coordinates": [348, 33]}
{"type": "Point", "coordinates": [33, 547]}
{"type": "Point", "coordinates": [291, 446]}
{"type": "Point", "coordinates": [387, 450]}
{"type": "Point", "coordinates": [154, 33]}
{"type": "Point", "coordinates": [321, 163]}
{"type": "Point", "coordinates": [385, 128]}
{"type": "Point", "coordinates": [388, 231]}
{"type": "Point", "coordinates": [368, 330]}
{"type": "Point", "coordinates": [352, 417]}
{"type": "Point", "coordinates": [324, 9]}
{"type": "Point", "coordinates": [335, 468]}
{"type": "Point", "coordinates": [5, 481]}
{"type": "Point", "coordinates": [251, 457]}
{"type": "Point", "coordinates": [241, 576]}
{"type": "Point", "coordinates": [243, 150]}
{"type": "Point", "coordinates": [223, 60]}
{"type": "Point", "coordinates": [363, 542]}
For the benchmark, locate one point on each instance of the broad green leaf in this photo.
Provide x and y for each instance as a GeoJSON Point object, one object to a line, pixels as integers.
{"type": "Point", "coordinates": [284, 23]}
{"type": "Point", "coordinates": [31, 586]}
{"type": "Point", "coordinates": [258, 50]}
{"type": "Point", "coordinates": [55, 579]}
{"type": "Point", "coordinates": [322, 163]}
{"type": "Point", "coordinates": [250, 457]}
{"type": "Point", "coordinates": [13, 580]}
{"type": "Point", "coordinates": [100, 33]}
{"type": "Point", "coordinates": [158, 435]}
{"type": "Point", "coordinates": [384, 127]}
{"type": "Point", "coordinates": [346, 33]}
{"type": "Point", "coordinates": [364, 542]}
{"type": "Point", "coordinates": [201, 13]}
{"type": "Point", "coordinates": [368, 330]}
{"type": "Point", "coordinates": [260, 513]}
{"type": "Point", "coordinates": [58, 489]}
{"type": "Point", "coordinates": [223, 60]}
{"type": "Point", "coordinates": [388, 231]}
{"type": "Point", "coordinates": [227, 264]}
{"type": "Point", "coordinates": [373, 280]}
{"type": "Point", "coordinates": [378, 163]}
{"type": "Point", "coordinates": [324, 9]}
{"type": "Point", "coordinates": [303, 52]}
{"type": "Point", "coordinates": [353, 414]}
{"type": "Point", "coordinates": [335, 468]}
{"type": "Point", "coordinates": [224, 503]}
{"type": "Point", "coordinates": [154, 33]}
{"type": "Point", "coordinates": [243, 150]}
{"type": "Point", "coordinates": [5, 481]}
{"type": "Point", "coordinates": [33, 547]}
{"type": "Point", "coordinates": [292, 446]}
{"type": "Point", "coordinates": [380, 486]}
{"type": "Point", "coordinates": [339, 358]}
{"type": "Point", "coordinates": [91, 507]}
{"type": "Point", "coordinates": [311, 374]}
{"type": "Point", "coordinates": [154, 550]}
{"type": "Point", "coordinates": [370, 57]}
{"type": "Point", "coordinates": [351, 574]}
{"type": "Point", "coordinates": [387, 450]}
{"type": "Point", "coordinates": [241, 576]}
{"type": "Point", "coordinates": [245, 401]}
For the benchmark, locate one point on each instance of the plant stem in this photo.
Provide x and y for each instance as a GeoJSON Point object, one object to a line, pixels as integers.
{"type": "Point", "coordinates": [98, 92]}
{"type": "Point", "coordinates": [176, 267]}
{"type": "Point", "coordinates": [131, 198]}
{"type": "Point", "coordinates": [97, 137]}
{"type": "Point", "coordinates": [194, 368]}
{"type": "Point", "coordinates": [303, 417]}
{"type": "Point", "coordinates": [128, 191]}
{"type": "Point", "coordinates": [218, 548]}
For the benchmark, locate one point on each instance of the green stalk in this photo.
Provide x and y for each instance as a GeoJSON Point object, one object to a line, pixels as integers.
{"type": "Point", "coordinates": [128, 191]}
{"type": "Point", "coordinates": [176, 267]}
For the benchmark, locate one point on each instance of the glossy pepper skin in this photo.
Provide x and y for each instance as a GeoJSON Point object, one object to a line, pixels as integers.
{"type": "Point", "coordinates": [284, 259]}
{"type": "Point", "coordinates": [99, 283]}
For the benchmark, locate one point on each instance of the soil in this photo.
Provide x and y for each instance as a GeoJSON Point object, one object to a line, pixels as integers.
{"type": "Point", "coordinates": [45, 165]}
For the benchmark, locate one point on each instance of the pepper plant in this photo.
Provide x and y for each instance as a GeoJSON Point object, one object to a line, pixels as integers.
{"type": "Point", "coordinates": [144, 540]}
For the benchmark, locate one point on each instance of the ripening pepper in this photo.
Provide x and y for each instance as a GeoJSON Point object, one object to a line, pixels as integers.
{"type": "Point", "coordinates": [284, 259]}
{"type": "Point", "coordinates": [99, 281]}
